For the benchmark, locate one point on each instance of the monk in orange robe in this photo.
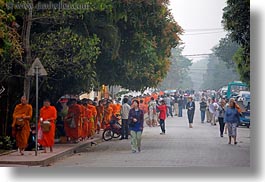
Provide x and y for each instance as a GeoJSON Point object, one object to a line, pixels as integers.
{"type": "Point", "coordinates": [73, 126]}
{"type": "Point", "coordinates": [113, 106]}
{"type": "Point", "coordinates": [108, 112]}
{"type": "Point", "coordinates": [48, 113]}
{"type": "Point", "coordinates": [100, 113]}
{"type": "Point", "coordinates": [21, 117]}
{"type": "Point", "coordinates": [86, 122]}
{"type": "Point", "coordinates": [93, 122]}
{"type": "Point", "coordinates": [118, 107]}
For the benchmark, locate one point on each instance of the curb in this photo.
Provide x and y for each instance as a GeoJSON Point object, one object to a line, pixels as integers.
{"type": "Point", "coordinates": [7, 152]}
{"type": "Point", "coordinates": [54, 158]}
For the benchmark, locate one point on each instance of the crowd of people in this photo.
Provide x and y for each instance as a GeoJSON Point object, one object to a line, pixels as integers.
{"type": "Point", "coordinates": [226, 112]}
{"type": "Point", "coordinates": [79, 120]}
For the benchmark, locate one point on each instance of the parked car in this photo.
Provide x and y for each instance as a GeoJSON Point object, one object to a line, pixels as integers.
{"type": "Point", "coordinates": [245, 115]}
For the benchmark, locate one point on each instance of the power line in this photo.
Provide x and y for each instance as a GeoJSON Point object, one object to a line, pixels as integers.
{"type": "Point", "coordinates": [204, 29]}
{"type": "Point", "coordinates": [205, 33]}
{"type": "Point", "coordinates": [206, 54]}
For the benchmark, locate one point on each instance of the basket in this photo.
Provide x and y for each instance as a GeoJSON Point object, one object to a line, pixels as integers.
{"type": "Point", "coordinates": [46, 126]}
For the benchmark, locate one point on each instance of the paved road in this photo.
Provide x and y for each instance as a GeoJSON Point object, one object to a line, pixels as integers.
{"type": "Point", "coordinates": [180, 147]}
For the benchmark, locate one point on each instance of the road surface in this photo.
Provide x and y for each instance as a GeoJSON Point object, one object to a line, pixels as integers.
{"type": "Point", "coordinates": [180, 147]}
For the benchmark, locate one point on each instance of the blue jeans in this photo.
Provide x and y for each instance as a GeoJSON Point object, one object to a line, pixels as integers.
{"type": "Point", "coordinates": [190, 116]}
{"type": "Point", "coordinates": [180, 111]}
{"type": "Point", "coordinates": [202, 116]}
{"type": "Point", "coordinates": [162, 125]}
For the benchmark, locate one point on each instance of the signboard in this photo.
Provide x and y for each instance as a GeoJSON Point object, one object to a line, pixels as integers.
{"type": "Point", "coordinates": [37, 65]}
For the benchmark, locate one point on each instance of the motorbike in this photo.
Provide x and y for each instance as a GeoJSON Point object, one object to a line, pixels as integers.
{"type": "Point", "coordinates": [112, 130]}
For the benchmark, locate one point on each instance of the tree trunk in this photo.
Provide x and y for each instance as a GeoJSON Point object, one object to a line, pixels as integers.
{"type": "Point", "coordinates": [26, 44]}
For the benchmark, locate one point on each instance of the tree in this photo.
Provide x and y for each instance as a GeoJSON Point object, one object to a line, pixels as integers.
{"type": "Point", "coordinates": [217, 74]}
{"type": "Point", "coordinates": [225, 51]}
{"type": "Point", "coordinates": [236, 19]}
{"type": "Point", "coordinates": [69, 60]}
{"type": "Point", "coordinates": [10, 43]}
{"type": "Point", "coordinates": [147, 32]}
{"type": "Point", "coordinates": [177, 76]}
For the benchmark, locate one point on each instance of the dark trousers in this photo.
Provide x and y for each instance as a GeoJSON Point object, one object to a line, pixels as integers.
{"type": "Point", "coordinates": [162, 125]}
{"type": "Point", "coordinates": [222, 125]}
{"type": "Point", "coordinates": [202, 116]}
{"type": "Point", "coordinates": [169, 111]}
{"type": "Point", "coordinates": [124, 128]}
{"type": "Point", "coordinates": [190, 116]}
{"type": "Point", "coordinates": [180, 111]}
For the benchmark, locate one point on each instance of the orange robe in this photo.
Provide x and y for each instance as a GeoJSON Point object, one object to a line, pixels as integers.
{"type": "Point", "coordinates": [100, 113]}
{"type": "Point", "coordinates": [142, 106]}
{"type": "Point", "coordinates": [85, 127]}
{"type": "Point", "coordinates": [118, 106]}
{"type": "Point", "coordinates": [48, 113]}
{"type": "Point", "coordinates": [108, 114]}
{"type": "Point", "coordinates": [23, 135]}
{"type": "Point", "coordinates": [114, 108]}
{"type": "Point", "coordinates": [93, 118]}
{"type": "Point", "coordinates": [74, 111]}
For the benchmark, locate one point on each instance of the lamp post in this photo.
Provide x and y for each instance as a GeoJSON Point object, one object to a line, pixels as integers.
{"type": "Point", "coordinates": [37, 70]}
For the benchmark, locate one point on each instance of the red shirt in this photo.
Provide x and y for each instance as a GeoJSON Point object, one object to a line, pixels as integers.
{"type": "Point", "coordinates": [163, 111]}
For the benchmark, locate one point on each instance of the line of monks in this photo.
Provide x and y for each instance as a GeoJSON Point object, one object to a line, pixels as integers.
{"type": "Point", "coordinates": [83, 120]}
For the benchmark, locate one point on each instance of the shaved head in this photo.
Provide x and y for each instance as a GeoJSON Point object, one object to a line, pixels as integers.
{"type": "Point", "coordinates": [24, 99]}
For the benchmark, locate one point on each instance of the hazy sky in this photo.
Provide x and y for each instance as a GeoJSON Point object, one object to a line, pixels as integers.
{"type": "Point", "coordinates": [201, 20]}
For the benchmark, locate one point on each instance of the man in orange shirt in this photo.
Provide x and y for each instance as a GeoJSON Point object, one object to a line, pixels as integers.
{"type": "Point", "coordinates": [48, 113]}
{"type": "Point", "coordinates": [20, 126]}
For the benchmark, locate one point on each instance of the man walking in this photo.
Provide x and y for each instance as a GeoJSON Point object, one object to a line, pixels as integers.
{"type": "Point", "coordinates": [125, 109]}
{"type": "Point", "coordinates": [203, 106]}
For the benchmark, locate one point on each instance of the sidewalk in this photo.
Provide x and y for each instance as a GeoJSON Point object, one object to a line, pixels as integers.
{"type": "Point", "coordinates": [44, 159]}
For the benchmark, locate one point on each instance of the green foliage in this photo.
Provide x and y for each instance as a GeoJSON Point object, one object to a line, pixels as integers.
{"type": "Point", "coordinates": [10, 45]}
{"type": "Point", "coordinates": [6, 143]}
{"type": "Point", "coordinates": [217, 74]}
{"type": "Point", "coordinates": [177, 76]}
{"type": "Point", "coordinates": [243, 64]}
{"type": "Point", "coordinates": [67, 57]}
{"type": "Point", "coordinates": [147, 32]}
{"type": "Point", "coordinates": [225, 51]}
{"type": "Point", "coordinates": [236, 19]}
{"type": "Point", "coordinates": [111, 42]}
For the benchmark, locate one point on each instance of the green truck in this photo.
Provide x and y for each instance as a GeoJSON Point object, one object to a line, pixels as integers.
{"type": "Point", "coordinates": [233, 88]}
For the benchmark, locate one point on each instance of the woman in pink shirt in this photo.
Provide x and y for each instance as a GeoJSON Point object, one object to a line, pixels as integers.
{"type": "Point", "coordinates": [162, 116]}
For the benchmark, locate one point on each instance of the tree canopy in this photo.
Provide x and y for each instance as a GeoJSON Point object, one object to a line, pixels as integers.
{"type": "Point", "coordinates": [94, 42]}
{"type": "Point", "coordinates": [236, 19]}
{"type": "Point", "coordinates": [178, 74]}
